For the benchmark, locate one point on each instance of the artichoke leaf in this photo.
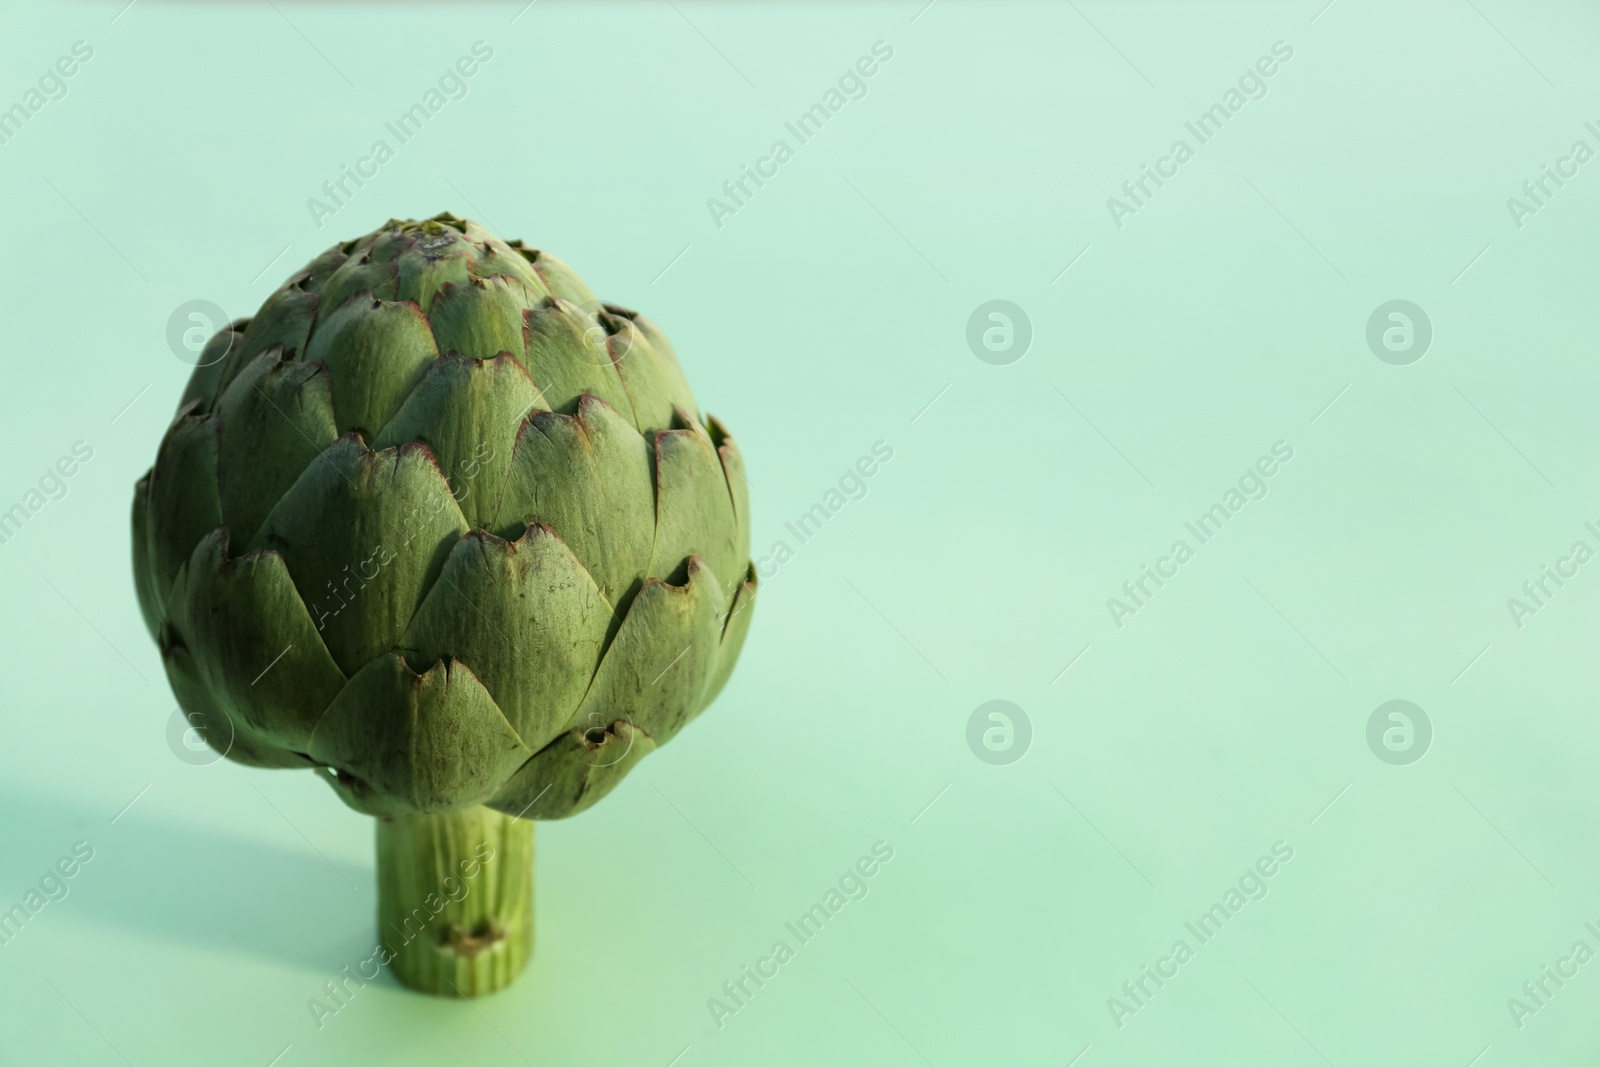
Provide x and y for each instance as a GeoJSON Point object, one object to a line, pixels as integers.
{"type": "Point", "coordinates": [566, 354]}
{"type": "Point", "coordinates": [357, 274]}
{"type": "Point", "coordinates": [430, 742]}
{"type": "Point", "coordinates": [500, 258]}
{"type": "Point", "coordinates": [467, 412]}
{"type": "Point", "coordinates": [184, 504]}
{"type": "Point", "coordinates": [259, 650]}
{"type": "Point", "coordinates": [482, 317]}
{"type": "Point", "coordinates": [735, 625]}
{"type": "Point", "coordinates": [574, 771]}
{"type": "Point", "coordinates": [694, 511]}
{"type": "Point", "coordinates": [315, 274]}
{"type": "Point", "coordinates": [207, 717]}
{"type": "Point", "coordinates": [277, 416]}
{"type": "Point", "coordinates": [424, 271]}
{"type": "Point", "coordinates": [733, 471]}
{"type": "Point", "coordinates": [656, 669]}
{"type": "Point", "coordinates": [656, 387]}
{"type": "Point", "coordinates": [144, 575]}
{"type": "Point", "coordinates": [284, 320]}
{"type": "Point", "coordinates": [364, 535]}
{"type": "Point", "coordinates": [218, 362]}
{"type": "Point", "coordinates": [375, 352]}
{"type": "Point", "coordinates": [587, 477]}
{"type": "Point", "coordinates": [525, 617]}
{"type": "Point", "coordinates": [562, 281]}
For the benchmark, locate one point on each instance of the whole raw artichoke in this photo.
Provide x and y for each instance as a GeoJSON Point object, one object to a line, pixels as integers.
{"type": "Point", "coordinates": [442, 526]}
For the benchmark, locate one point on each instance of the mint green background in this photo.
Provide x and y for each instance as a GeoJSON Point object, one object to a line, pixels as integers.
{"type": "Point", "coordinates": [818, 320]}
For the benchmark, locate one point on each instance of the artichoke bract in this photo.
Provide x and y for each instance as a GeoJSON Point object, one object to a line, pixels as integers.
{"type": "Point", "coordinates": [441, 526]}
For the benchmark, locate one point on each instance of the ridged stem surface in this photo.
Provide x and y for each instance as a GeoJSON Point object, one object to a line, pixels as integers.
{"type": "Point", "coordinates": [455, 899]}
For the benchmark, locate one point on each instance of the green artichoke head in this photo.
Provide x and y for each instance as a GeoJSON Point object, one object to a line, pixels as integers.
{"type": "Point", "coordinates": [442, 526]}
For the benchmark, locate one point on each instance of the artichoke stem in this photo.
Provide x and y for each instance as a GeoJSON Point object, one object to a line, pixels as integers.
{"type": "Point", "coordinates": [455, 899]}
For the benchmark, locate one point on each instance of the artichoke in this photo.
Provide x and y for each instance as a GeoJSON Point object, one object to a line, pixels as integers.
{"type": "Point", "coordinates": [440, 526]}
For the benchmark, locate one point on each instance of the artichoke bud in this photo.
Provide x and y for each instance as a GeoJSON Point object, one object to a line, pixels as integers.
{"type": "Point", "coordinates": [443, 526]}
